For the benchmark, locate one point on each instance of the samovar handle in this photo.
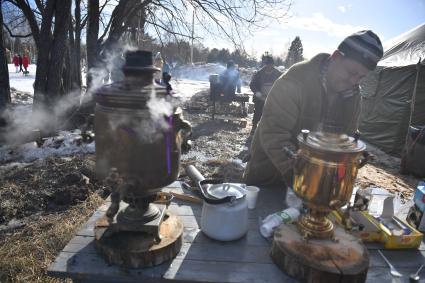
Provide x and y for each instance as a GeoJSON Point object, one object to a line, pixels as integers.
{"type": "Point", "coordinates": [186, 129]}
{"type": "Point", "coordinates": [297, 161]}
{"type": "Point", "coordinates": [366, 156]}
{"type": "Point", "coordinates": [289, 153]}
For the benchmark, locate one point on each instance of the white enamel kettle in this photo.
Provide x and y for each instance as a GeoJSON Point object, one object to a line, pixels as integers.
{"type": "Point", "coordinates": [224, 210]}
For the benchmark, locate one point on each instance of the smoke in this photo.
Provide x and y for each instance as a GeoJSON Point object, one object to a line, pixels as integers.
{"type": "Point", "coordinates": [149, 125]}
{"type": "Point", "coordinates": [107, 71]}
{"type": "Point", "coordinates": [159, 108]}
{"type": "Point", "coordinates": [23, 120]}
{"type": "Point", "coordinates": [198, 72]}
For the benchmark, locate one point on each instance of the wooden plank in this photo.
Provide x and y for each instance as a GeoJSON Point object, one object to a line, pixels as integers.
{"type": "Point", "coordinates": [86, 261]}
{"type": "Point", "coordinates": [381, 274]}
{"type": "Point", "coordinates": [188, 270]}
{"type": "Point", "coordinates": [190, 235]}
{"type": "Point", "coordinates": [83, 266]}
{"type": "Point", "coordinates": [208, 250]}
{"type": "Point", "coordinates": [92, 269]}
{"type": "Point", "coordinates": [89, 267]}
{"type": "Point", "coordinates": [189, 221]}
{"type": "Point", "coordinates": [205, 260]}
{"type": "Point", "coordinates": [398, 258]}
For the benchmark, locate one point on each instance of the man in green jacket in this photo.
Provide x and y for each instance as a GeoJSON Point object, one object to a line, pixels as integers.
{"type": "Point", "coordinates": [261, 83]}
{"type": "Point", "coordinates": [321, 91]}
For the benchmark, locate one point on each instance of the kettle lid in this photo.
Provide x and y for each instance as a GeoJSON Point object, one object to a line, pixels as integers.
{"type": "Point", "coordinates": [225, 190]}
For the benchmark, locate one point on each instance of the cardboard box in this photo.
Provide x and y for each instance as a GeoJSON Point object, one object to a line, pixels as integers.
{"type": "Point", "coordinates": [387, 229]}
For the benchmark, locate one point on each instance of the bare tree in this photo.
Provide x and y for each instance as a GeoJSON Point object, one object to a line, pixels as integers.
{"type": "Point", "coordinates": [4, 72]}
{"type": "Point", "coordinates": [93, 16]}
{"type": "Point", "coordinates": [229, 19]}
{"type": "Point", "coordinates": [57, 35]}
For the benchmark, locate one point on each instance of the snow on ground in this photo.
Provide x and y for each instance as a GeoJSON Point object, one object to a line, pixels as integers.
{"type": "Point", "coordinates": [64, 144]}
{"type": "Point", "coordinates": [20, 82]}
{"type": "Point", "coordinates": [186, 88]}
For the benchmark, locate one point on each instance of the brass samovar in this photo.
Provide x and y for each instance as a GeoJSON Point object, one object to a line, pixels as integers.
{"type": "Point", "coordinates": [139, 133]}
{"type": "Point", "coordinates": [325, 169]}
{"type": "Point", "coordinates": [314, 249]}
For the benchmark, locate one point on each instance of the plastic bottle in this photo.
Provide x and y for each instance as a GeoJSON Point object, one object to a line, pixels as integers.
{"type": "Point", "coordinates": [292, 200]}
{"type": "Point", "coordinates": [268, 225]}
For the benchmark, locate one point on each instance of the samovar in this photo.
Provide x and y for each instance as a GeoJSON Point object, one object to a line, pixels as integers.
{"type": "Point", "coordinates": [313, 249]}
{"type": "Point", "coordinates": [325, 169]}
{"type": "Point", "coordinates": [139, 133]}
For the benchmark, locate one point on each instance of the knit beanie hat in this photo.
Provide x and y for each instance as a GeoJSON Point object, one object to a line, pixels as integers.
{"type": "Point", "coordinates": [364, 47]}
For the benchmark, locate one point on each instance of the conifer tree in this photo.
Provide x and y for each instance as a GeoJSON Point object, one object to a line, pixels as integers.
{"type": "Point", "coordinates": [295, 53]}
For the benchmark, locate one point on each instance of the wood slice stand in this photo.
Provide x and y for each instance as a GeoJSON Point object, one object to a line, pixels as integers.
{"type": "Point", "coordinates": [320, 260]}
{"type": "Point", "coordinates": [139, 249]}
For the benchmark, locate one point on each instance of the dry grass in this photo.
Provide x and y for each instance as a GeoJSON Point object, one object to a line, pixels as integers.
{"type": "Point", "coordinates": [26, 254]}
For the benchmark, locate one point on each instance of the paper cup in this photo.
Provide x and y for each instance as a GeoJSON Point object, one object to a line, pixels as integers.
{"type": "Point", "coordinates": [251, 196]}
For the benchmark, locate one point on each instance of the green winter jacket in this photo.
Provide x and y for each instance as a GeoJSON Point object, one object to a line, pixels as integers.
{"type": "Point", "coordinates": [294, 103]}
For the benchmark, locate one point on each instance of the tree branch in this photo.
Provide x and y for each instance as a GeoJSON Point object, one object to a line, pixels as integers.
{"type": "Point", "coordinates": [15, 35]}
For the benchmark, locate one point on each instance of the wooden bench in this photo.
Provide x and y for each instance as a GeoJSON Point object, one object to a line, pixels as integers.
{"type": "Point", "coordinates": [241, 98]}
{"type": "Point", "coordinates": [205, 260]}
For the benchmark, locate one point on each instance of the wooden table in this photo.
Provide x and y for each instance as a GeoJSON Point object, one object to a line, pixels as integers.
{"type": "Point", "coordinates": [205, 260]}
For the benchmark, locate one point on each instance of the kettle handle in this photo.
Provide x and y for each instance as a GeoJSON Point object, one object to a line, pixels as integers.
{"type": "Point", "coordinates": [204, 184]}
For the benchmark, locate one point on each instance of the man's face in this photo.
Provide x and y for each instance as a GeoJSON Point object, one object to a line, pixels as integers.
{"type": "Point", "coordinates": [344, 73]}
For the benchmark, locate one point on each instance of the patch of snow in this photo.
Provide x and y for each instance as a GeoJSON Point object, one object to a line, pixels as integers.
{"type": "Point", "coordinates": [52, 147]}
{"type": "Point", "coordinates": [20, 82]}
{"type": "Point", "coordinates": [186, 88]}
{"type": "Point", "coordinates": [192, 154]}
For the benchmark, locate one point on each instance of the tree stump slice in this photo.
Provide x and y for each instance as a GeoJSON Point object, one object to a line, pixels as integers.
{"type": "Point", "coordinates": [320, 260]}
{"type": "Point", "coordinates": [139, 249]}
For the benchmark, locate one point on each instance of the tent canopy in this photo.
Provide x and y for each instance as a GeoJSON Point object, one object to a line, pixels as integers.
{"type": "Point", "coordinates": [387, 92]}
{"type": "Point", "coordinates": [405, 49]}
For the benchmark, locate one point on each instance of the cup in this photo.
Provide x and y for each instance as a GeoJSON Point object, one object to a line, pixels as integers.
{"type": "Point", "coordinates": [251, 196]}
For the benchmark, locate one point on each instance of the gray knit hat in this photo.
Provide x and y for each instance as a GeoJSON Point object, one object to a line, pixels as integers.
{"type": "Point", "coordinates": [364, 47]}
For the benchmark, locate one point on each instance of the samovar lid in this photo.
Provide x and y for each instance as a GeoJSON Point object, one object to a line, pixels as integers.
{"type": "Point", "coordinates": [136, 88]}
{"type": "Point", "coordinates": [331, 142]}
{"type": "Point", "coordinates": [226, 189]}
{"type": "Point", "coordinates": [139, 60]}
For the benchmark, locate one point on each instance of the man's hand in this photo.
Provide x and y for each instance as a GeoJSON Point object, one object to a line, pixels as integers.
{"type": "Point", "coordinates": [258, 94]}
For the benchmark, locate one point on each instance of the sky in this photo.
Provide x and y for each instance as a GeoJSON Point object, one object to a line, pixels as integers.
{"type": "Point", "coordinates": [322, 25]}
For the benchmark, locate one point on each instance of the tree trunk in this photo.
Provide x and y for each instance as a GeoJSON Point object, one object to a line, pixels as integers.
{"type": "Point", "coordinates": [77, 44]}
{"type": "Point", "coordinates": [91, 39]}
{"type": "Point", "coordinates": [52, 49]}
{"type": "Point", "coordinates": [62, 20]}
{"type": "Point", "coordinates": [4, 73]}
{"type": "Point", "coordinates": [44, 45]}
{"type": "Point", "coordinates": [72, 67]}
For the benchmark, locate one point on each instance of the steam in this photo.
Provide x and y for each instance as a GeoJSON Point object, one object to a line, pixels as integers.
{"type": "Point", "coordinates": [146, 125]}
{"type": "Point", "coordinates": [21, 122]}
{"type": "Point", "coordinates": [158, 108]}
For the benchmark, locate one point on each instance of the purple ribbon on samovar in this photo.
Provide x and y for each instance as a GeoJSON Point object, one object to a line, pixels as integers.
{"type": "Point", "coordinates": [168, 143]}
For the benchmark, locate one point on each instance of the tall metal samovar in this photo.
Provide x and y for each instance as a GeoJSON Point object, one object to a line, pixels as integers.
{"type": "Point", "coordinates": [138, 133]}
{"type": "Point", "coordinates": [313, 249]}
{"type": "Point", "coordinates": [325, 169]}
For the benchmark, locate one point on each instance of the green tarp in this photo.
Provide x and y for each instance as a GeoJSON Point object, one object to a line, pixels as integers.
{"type": "Point", "coordinates": [387, 93]}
